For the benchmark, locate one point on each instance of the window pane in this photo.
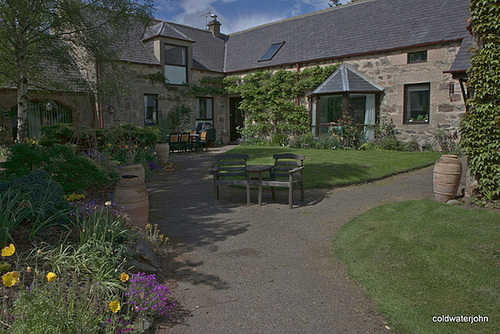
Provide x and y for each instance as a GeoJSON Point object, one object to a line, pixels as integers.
{"type": "Point", "coordinates": [417, 103]}
{"type": "Point", "coordinates": [417, 57]}
{"type": "Point", "coordinates": [150, 109]}
{"type": "Point", "coordinates": [204, 108]}
{"type": "Point", "coordinates": [175, 75]}
{"type": "Point", "coordinates": [273, 49]}
{"type": "Point", "coordinates": [175, 55]}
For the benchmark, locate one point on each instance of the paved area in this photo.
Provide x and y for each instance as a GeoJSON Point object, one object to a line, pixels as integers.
{"type": "Point", "coordinates": [265, 269]}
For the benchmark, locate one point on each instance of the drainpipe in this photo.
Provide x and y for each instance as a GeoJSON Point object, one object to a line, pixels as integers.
{"type": "Point", "coordinates": [297, 101]}
{"type": "Point", "coordinates": [464, 93]}
{"type": "Point", "coordinates": [99, 97]}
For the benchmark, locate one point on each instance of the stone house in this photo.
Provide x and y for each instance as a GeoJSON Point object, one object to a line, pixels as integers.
{"type": "Point", "coordinates": [400, 61]}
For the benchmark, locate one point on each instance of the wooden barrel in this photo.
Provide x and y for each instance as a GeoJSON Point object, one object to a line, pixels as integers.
{"type": "Point", "coordinates": [132, 195]}
{"type": "Point", "coordinates": [163, 151]}
{"type": "Point", "coordinates": [446, 177]}
{"type": "Point", "coordinates": [133, 169]}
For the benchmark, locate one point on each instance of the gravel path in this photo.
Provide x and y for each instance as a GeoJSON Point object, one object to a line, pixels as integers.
{"type": "Point", "coordinates": [268, 269]}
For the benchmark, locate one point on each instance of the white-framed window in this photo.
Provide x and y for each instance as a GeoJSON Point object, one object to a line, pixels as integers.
{"type": "Point", "coordinates": [150, 109]}
{"type": "Point", "coordinates": [176, 69]}
{"type": "Point", "coordinates": [204, 109]}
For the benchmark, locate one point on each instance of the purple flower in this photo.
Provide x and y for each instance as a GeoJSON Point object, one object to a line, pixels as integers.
{"type": "Point", "coordinates": [147, 296]}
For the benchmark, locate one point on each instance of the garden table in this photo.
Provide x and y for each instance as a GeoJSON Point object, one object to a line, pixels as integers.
{"type": "Point", "coordinates": [258, 169]}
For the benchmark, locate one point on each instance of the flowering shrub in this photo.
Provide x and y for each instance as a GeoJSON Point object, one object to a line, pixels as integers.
{"type": "Point", "coordinates": [148, 297]}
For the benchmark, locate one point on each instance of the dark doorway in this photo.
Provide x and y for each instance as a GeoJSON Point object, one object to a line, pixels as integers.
{"type": "Point", "coordinates": [236, 118]}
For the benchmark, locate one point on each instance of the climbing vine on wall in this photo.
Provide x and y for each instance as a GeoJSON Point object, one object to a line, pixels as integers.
{"type": "Point", "coordinates": [213, 86]}
{"type": "Point", "coordinates": [270, 99]}
{"type": "Point", "coordinates": [480, 126]}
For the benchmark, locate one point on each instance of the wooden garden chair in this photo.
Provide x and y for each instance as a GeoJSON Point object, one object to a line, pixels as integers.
{"type": "Point", "coordinates": [230, 170]}
{"type": "Point", "coordinates": [287, 173]}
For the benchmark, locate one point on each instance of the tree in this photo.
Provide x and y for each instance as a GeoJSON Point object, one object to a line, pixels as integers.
{"type": "Point", "coordinates": [335, 3]}
{"type": "Point", "coordinates": [480, 126]}
{"type": "Point", "coordinates": [41, 37]}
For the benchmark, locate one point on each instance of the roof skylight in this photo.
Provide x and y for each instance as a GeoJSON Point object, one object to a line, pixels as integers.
{"type": "Point", "coordinates": [271, 52]}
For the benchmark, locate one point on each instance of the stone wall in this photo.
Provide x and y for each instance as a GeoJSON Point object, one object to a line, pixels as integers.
{"type": "Point", "coordinates": [128, 105]}
{"type": "Point", "coordinates": [392, 71]}
{"type": "Point", "coordinates": [81, 105]}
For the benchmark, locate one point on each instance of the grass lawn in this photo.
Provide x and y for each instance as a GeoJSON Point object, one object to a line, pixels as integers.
{"type": "Point", "coordinates": [327, 168]}
{"type": "Point", "coordinates": [421, 259]}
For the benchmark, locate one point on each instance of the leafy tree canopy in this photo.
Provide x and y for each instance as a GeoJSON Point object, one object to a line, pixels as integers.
{"type": "Point", "coordinates": [42, 40]}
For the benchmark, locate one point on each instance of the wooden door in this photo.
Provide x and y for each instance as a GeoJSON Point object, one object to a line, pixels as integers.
{"type": "Point", "coordinates": [236, 118]}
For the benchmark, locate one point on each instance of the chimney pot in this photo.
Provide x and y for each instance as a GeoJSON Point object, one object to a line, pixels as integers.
{"type": "Point", "coordinates": [214, 26]}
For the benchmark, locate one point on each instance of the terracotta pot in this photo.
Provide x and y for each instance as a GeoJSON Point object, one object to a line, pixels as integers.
{"type": "Point", "coordinates": [446, 177]}
{"type": "Point", "coordinates": [132, 169]}
{"type": "Point", "coordinates": [163, 151]}
{"type": "Point", "coordinates": [131, 195]}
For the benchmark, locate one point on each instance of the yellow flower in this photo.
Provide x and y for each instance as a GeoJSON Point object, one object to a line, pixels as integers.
{"type": "Point", "coordinates": [114, 306]}
{"type": "Point", "coordinates": [126, 147]}
{"type": "Point", "coordinates": [107, 203]}
{"type": "Point", "coordinates": [9, 250]}
{"type": "Point", "coordinates": [148, 227]}
{"type": "Point", "coordinates": [28, 269]}
{"type": "Point", "coordinates": [51, 277]}
{"type": "Point", "coordinates": [10, 278]}
{"type": "Point", "coordinates": [124, 277]}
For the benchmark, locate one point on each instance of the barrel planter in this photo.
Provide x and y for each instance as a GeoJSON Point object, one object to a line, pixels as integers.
{"type": "Point", "coordinates": [131, 194]}
{"type": "Point", "coordinates": [163, 151]}
{"type": "Point", "coordinates": [446, 177]}
{"type": "Point", "coordinates": [133, 169]}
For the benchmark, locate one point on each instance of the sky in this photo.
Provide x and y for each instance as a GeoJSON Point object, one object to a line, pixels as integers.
{"type": "Point", "coordinates": [235, 15]}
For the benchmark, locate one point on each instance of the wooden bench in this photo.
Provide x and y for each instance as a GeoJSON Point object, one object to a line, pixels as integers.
{"type": "Point", "coordinates": [230, 170]}
{"type": "Point", "coordinates": [287, 172]}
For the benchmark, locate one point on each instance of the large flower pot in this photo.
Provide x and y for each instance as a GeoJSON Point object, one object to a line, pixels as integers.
{"type": "Point", "coordinates": [446, 177]}
{"type": "Point", "coordinates": [131, 195]}
{"type": "Point", "coordinates": [163, 151]}
{"type": "Point", "coordinates": [133, 169]}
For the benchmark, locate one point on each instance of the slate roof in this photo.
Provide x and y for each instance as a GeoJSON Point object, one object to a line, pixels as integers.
{"type": "Point", "coordinates": [361, 27]}
{"type": "Point", "coordinates": [364, 26]}
{"type": "Point", "coordinates": [346, 79]}
{"type": "Point", "coordinates": [208, 50]}
{"type": "Point", "coordinates": [164, 29]}
{"type": "Point", "coordinates": [462, 61]}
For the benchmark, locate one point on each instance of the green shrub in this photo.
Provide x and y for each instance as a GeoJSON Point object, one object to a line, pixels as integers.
{"type": "Point", "coordinates": [63, 306]}
{"type": "Point", "coordinates": [306, 140]}
{"type": "Point", "coordinates": [446, 140]}
{"type": "Point", "coordinates": [72, 170]}
{"type": "Point", "coordinates": [279, 139]}
{"type": "Point", "coordinates": [324, 141]}
{"type": "Point", "coordinates": [13, 210]}
{"type": "Point", "coordinates": [328, 142]}
{"type": "Point", "coordinates": [4, 151]}
{"type": "Point", "coordinates": [38, 188]}
{"type": "Point", "coordinates": [61, 133]}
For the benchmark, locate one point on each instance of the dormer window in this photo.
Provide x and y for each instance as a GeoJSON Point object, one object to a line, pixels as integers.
{"type": "Point", "coordinates": [272, 51]}
{"type": "Point", "coordinates": [175, 64]}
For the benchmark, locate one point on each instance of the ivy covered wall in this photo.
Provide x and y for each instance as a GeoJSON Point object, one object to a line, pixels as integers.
{"type": "Point", "coordinates": [480, 126]}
